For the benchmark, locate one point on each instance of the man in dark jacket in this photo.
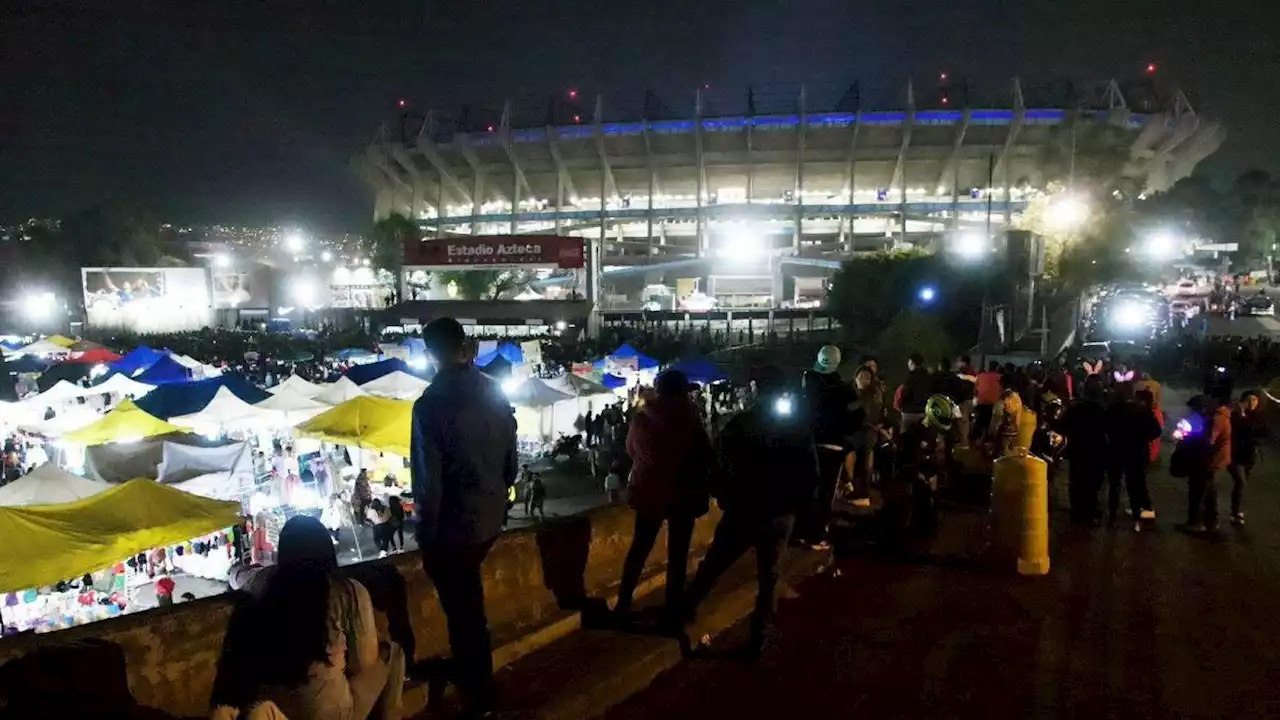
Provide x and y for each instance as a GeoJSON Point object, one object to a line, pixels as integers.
{"type": "Point", "coordinates": [1085, 428]}
{"type": "Point", "coordinates": [829, 402]}
{"type": "Point", "coordinates": [1247, 428]}
{"type": "Point", "coordinates": [463, 459]}
{"type": "Point", "coordinates": [671, 458]}
{"type": "Point", "coordinates": [915, 391]}
{"type": "Point", "coordinates": [1131, 426]}
{"type": "Point", "coordinates": [768, 472]}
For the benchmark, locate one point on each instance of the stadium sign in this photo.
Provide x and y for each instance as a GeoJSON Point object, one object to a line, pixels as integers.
{"type": "Point", "coordinates": [495, 250]}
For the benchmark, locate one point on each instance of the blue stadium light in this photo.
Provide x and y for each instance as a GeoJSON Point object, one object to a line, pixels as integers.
{"type": "Point", "coordinates": [927, 294]}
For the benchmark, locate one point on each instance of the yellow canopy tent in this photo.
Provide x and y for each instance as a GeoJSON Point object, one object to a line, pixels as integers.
{"type": "Point", "coordinates": [61, 341]}
{"type": "Point", "coordinates": [366, 421]}
{"type": "Point", "coordinates": [126, 421]}
{"type": "Point", "coordinates": [43, 544]}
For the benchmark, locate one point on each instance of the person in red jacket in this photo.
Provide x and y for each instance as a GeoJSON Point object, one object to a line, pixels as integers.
{"type": "Point", "coordinates": [671, 458]}
{"type": "Point", "coordinates": [1202, 501]}
{"type": "Point", "coordinates": [986, 393]}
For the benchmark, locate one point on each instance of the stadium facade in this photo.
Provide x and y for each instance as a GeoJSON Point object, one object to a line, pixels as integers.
{"type": "Point", "coordinates": [742, 201]}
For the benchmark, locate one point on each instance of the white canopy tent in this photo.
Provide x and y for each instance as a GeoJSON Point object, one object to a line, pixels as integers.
{"type": "Point", "coordinates": [590, 396]}
{"type": "Point", "coordinates": [71, 418]}
{"type": "Point", "coordinates": [43, 347]}
{"type": "Point", "coordinates": [339, 392]}
{"type": "Point", "coordinates": [398, 385]}
{"type": "Point", "coordinates": [189, 363]}
{"type": "Point", "coordinates": [227, 411]}
{"type": "Point", "coordinates": [122, 385]}
{"type": "Point", "coordinates": [48, 485]}
{"type": "Point", "coordinates": [542, 411]}
{"type": "Point", "coordinates": [296, 408]}
{"type": "Point", "coordinates": [59, 394]}
{"type": "Point", "coordinates": [295, 384]}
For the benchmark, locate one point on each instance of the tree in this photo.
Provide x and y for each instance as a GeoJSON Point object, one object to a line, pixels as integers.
{"type": "Point", "coordinates": [486, 284]}
{"type": "Point", "coordinates": [387, 238]}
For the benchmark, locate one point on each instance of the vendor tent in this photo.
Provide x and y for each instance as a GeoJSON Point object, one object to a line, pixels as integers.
{"type": "Point", "coordinates": [613, 382]}
{"type": "Point", "coordinates": [181, 462]}
{"type": "Point", "coordinates": [26, 364]}
{"type": "Point", "coordinates": [96, 356]}
{"type": "Point", "coordinates": [535, 393]}
{"type": "Point", "coordinates": [60, 394]}
{"type": "Point", "coordinates": [506, 350]}
{"type": "Point", "coordinates": [82, 346]}
{"type": "Point", "coordinates": [700, 370]}
{"type": "Point", "coordinates": [578, 386]}
{"type": "Point", "coordinates": [164, 371]}
{"type": "Point", "coordinates": [72, 417]}
{"type": "Point", "coordinates": [294, 407]}
{"type": "Point", "coordinates": [122, 462]}
{"type": "Point", "coordinates": [368, 422]}
{"type": "Point", "coordinates": [186, 362]}
{"type": "Point", "coordinates": [61, 341]}
{"type": "Point", "coordinates": [398, 385]}
{"type": "Point", "coordinates": [186, 398]}
{"type": "Point", "coordinates": [43, 347]}
{"type": "Point", "coordinates": [362, 374]}
{"type": "Point", "coordinates": [350, 354]}
{"type": "Point", "coordinates": [340, 392]}
{"type": "Point", "coordinates": [66, 370]}
{"type": "Point", "coordinates": [628, 358]}
{"type": "Point", "coordinates": [125, 422]}
{"type": "Point", "coordinates": [297, 385]}
{"type": "Point", "coordinates": [137, 360]}
{"type": "Point", "coordinates": [124, 385]}
{"type": "Point", "coordinates": [42, 545]}
{"type": "Point", "coordinates": [226, 411]}
{"type": "Point", "coordinates": [498, 368]}
{"type": "Point", "coordinates": [48, 485]}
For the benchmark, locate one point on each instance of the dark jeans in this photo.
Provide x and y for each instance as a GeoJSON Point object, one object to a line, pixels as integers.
{"type": "Point", "coordinates": [679, 535]}
{"type": "Point", "coordinates": [455, 572]}
{"type": "Point", "coordinates": [863, 467]}
{"type": "Point", "coordinates": [1202, 498]}
{"type": "Point", "coordinates": [981, 421]}
{"type": "Point", "coordinates": [382, 536]}
{"type": "Point", "coordinates": [737, 533]}
{"type": "Point", "coordinates": [1240, 473]}
{"type": "Point", "coordinates": [1134, 474]}
{"type": "Point", "coordinates": [813, 524]}
{"type": "Point", "coordinates": [1084, 480]}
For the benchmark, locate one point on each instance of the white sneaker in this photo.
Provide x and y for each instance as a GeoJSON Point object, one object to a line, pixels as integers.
{"type": "Point", "coordinates": [382, 554]}
{"type": "Point", "coordinates": [1147, 515]}
{"type": "Point", "coordinates": [862, 502]}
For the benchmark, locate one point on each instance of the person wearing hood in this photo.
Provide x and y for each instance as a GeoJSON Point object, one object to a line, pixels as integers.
{"type": "Point", "coordinates": [830, 404]}
{"type": "Point", "coordinates": [1131, 427]}
{"type": "Point", "coordinates": [671, 460]}
{"type": "Point", "coordinates": [769, 471]}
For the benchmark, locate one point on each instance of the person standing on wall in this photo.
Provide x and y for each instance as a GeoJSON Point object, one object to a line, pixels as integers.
{"type": "Point", "coordinates": [463, 459]}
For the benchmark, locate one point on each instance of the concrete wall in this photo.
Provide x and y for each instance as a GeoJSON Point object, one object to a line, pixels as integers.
{"type": "Point", "coordinates": [166, 658]}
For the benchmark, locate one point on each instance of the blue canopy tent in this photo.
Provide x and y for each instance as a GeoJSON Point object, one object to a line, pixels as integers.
{"type": "Point", "coordinates": [12, 345]}
{"type": "Point", "coordinates": [26, 364]}
{"type": "Point", "coordinates": [176, 399]}
{"type": "Point", "coordinates": [164, 371]}
{"type": "Point", "coordinates": [137, 360]}
{"type": "Point", "coordinates": [507, 351]}
{"type": "Point", "coordinates": [361, 374]}
{"type": "Point", "coordinates": [700, 369]}
{"type": "Point", "coordinates": [416, 347]}
{"type": "Point", "coordinates": [626, 352]}
{"type": "Point", "coordinates": [613, 382]}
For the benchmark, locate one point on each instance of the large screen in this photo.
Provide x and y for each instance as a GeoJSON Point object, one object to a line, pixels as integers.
{"type": "Point", "coordinates": [147, 300]}
{"type": "Point", "coordinates": [242, 288]}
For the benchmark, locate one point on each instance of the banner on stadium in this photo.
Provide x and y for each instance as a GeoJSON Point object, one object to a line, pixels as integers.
{"type": "Point", "coordinates": [495, 250]}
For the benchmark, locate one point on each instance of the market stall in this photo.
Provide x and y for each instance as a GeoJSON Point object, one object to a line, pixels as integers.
{"type": "Point", "coordinates": [297, 385]}
{"type": "Point", "coordinates": [366, 422]}
{"type": "Point", "coordinates": [49, 485]}
{"type": "Point", "coordinates": [125, 422]}
{"type": "Point", "coordinates": [293, 407]}
{"type": "Point", "coordinates": [536, 406]}
{"type": "Point", "coordinates": [340, 392]}
{"type": "Point", "coordinates": [397, 385]}
{"type": "Point", "coordinates": [226, 412]}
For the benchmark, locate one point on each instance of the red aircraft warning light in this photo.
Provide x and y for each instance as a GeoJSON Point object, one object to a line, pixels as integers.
{"type": "Point", "coordinates": [1151, 68]}
{"type": "Point", "coordinates": [573, 94]}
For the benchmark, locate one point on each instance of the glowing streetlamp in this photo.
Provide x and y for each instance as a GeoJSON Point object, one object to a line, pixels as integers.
{"type": "Point", "coordinates": [294, 241]}
{"type": "Point", "coordinates": [40, 306]}
{"type": "Point", "coordinates": [1162, 245]}
{"type": "Point", "coordinates": [1067, 212]}
{"type": "Point", "coordinates": [222, 261]}
{"type": "Point", "coordinates": [927, 294]}
{"type": "Point", "coordinates": [326, 256]}
{"type": "Point", "coordinates": [970, 245]}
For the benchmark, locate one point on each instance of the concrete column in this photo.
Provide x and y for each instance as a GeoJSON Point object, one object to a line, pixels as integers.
{"type": "Point", "coordinates": [515, 198]}
{"type": "Point", "coordinates": [477, 192]}
{"type": "Point", "coordinates": [559, 200]}
{"type": "Point", "coordinates": [653, 184]}
{"type": "Point", "coordinates": [440, 210]}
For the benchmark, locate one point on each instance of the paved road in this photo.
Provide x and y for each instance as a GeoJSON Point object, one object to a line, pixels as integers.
{"type": "Point", "coordinates": [1154, 624]}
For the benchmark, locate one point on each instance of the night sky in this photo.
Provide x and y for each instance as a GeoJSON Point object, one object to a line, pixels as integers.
{"type": "Point", "coordinates": [248, 111]}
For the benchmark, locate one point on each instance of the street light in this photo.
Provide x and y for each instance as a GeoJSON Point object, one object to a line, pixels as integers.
{"type": "Point", "coordinates": [1162, 245]}
{"type": "Point", "coordinates": [970, 245]}
{"type": "Point", "coordinates": [326, 256]}
{"type": "Point", "coordinates": [304, 292]}
{"type": "Point", "coordinates": [1067, 212]}
{"type": "Point", "coordinates": [221, 261]}
{"type": "Point", "coordinates": [927, 294]}
{"type": "Point", "coordinates": [294, 241]}
{"type": "Point", "coordinates": [39, 306]}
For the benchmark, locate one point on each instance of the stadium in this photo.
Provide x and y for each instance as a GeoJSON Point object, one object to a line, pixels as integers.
{"type": "Point", "coordinates": [753, 208]}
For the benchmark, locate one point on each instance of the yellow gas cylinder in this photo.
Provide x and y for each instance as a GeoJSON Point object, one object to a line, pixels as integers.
{"type": "Point", "coordinates": [1020, 513]}
{"type": "Point", "coordinates": [1026, 427]}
